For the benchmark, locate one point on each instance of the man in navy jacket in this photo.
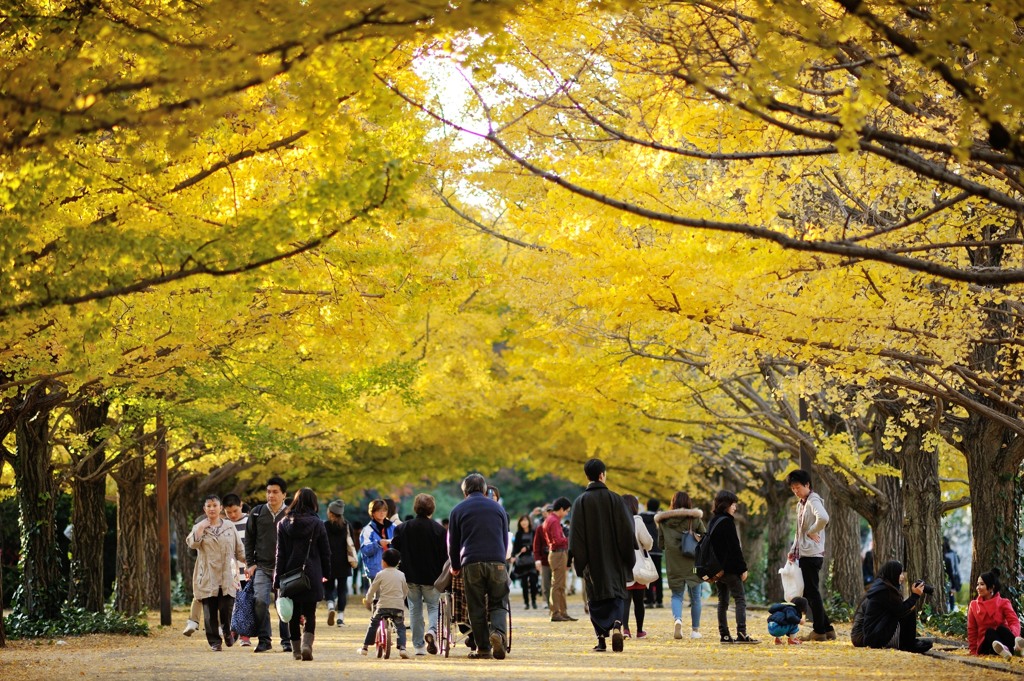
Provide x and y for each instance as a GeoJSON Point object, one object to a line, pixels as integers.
{"type": "Point", "coordinates": [477, 547]}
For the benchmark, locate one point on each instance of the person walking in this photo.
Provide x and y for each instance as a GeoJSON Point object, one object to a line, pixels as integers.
{"type": "Point", "coordinates": [680, 519]}
{"type": "Point", "coordinates": [993, 627]}
{"type": "Point", "coordinates": [808, 550]}
{"type": "Point", "coordinates": [540, 555]}
{"type": "Point", "coordinates": [655, 594]}
{"type": "Point", "coordinates": [558, 558]}
{"type": "Point", "coordinates": [302, 543]}
{"type": "Point", "coordinates": [260, 556]}
{"type": "Point", "coordinates": [726, 542]}
{"type": "Point", "coordinates": [601, 540]}
{"type": "Point", "coordinates": [219, 551]}
{"type": "Point", "coordinates": [421, 542]}
{"type": "Point", "coordinates": [477, 547]}
{"type": "Point", "coordinates": [636, 590]}
{"type": "Point", "coordinates": [343, 561]}
{"type": "Point", "coordinates": [523, 564]}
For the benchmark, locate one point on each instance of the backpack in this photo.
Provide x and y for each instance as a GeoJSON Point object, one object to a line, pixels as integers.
{"type": "Point", "coordinates": [706, 564]}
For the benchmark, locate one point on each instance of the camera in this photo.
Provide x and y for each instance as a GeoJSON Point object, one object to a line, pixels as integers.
{"type": "Point", "coordinates": [928, 588]}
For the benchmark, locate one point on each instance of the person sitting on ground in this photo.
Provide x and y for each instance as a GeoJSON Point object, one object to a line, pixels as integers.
{"type": "Point", "coordinates": [883, 619]}
{"type": "Point", "coordinates": [993, 628]}
{"type": "Point", "coordinates": [784, 619]}
{"type": "Point", "coordinates": [386, 598]}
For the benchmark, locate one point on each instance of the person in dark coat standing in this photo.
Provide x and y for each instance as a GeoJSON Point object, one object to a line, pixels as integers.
{"type": "Point", "coordinates": [302, 542]}
{"type": "Point", "coordinates": [726, 543]}
{"type": "Point", "coordinates": [343, 560]}
{"type": "Point", "coordinates": [421, 541]}
{"type": "Point", "coordinates": [602, 546]}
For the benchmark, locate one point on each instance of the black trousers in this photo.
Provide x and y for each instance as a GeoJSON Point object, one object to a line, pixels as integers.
{"type": "Point", "coordinates": [302, 609]}
{"type": "Point", "coordinates": [1001, 634]}
{"type": "Point", "coordinates": [810, 568]}
{"type": "Point", "coordinates": [217, 616]}
{"type": "Point", "coordinates": [655, 592]}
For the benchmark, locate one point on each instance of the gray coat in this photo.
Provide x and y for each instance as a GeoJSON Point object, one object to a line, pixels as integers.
{"type": "Point", "coordinates": [601, 541]}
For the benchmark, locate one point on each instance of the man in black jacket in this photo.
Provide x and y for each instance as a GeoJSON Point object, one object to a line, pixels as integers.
{"type": "Point", "coordinates": [477, 547]}
{"type": "Point", "coordinates": [421, 543]}
{"type": "Point", "coordinates": [260, 556]}
{"type": "Point", "coordinates": [601, 541]}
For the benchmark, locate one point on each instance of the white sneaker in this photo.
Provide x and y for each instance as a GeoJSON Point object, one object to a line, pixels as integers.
{"type": "Point", "coordinates": [1001, 650]}
{"type": "Point", "coordinates": [190, 626]}
{"type": "Point", "coordinates": [678, 632]}
{"type": "Point", "coordinates": [695, 634]}
{"type": "Point", "coordinates": [362, 650]}
{"type": "Point", "coordinates": [420, 651]}
{"type": "Point", "coordinates": [403, 653]}
{"type": "Point", "coordinates": [1018, 646]}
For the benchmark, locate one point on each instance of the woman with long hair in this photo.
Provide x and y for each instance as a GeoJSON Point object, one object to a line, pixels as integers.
{"type": "Point", "coordinates": [680, 519]}
{"type": "Point", "coordinates": [884, 619]}
{"type": "Point", "coordinates": [523, 565]}
{"type": "Point", "coordinates": [302, 543]}
{"type": "Point", "coordinates": [636, 590]}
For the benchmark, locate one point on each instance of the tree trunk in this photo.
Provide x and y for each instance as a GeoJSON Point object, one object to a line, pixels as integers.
{"type": "Point", "coordinates": [43, 588]}
{"type": "Point", "coordinates": [183, 512]}
{"type": "Point", "coordinates": [88, 512]}
{"type": "Point", "coordinates": [922, 499]}
{"type": "Point", "coordinates": [779, 538]}
{"type": "Point", "coordinates": [151, 553]}
{"type": "Point", "coordinates": [131, 481]}
{"type": "Point", "coordinates": [844, 549]}
{"type": "Point", "coordinates": [3, 630]}
{"type": "Point", "coordinates": [991, 469]}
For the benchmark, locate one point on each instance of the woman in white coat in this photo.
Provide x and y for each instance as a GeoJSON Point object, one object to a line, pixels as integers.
{"type": "Point", "coordinates": [216, 571]}
{"type": "Point", "coordinates": [636, 590]}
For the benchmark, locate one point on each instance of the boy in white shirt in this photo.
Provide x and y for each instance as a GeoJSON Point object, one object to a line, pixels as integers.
{"type": "Point", "coordinates": [388, 592]}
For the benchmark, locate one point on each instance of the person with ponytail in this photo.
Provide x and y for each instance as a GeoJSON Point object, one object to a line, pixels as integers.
{"type": "Point", "coordinates": [993, 628]}
{"type": "Point", "coordinates": [884, 619]}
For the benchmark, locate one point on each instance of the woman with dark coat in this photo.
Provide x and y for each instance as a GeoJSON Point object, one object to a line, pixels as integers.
{"type": "Point", "coordinates": [523, 565]}
{"type": "Point", "coordinates": [883, 619]}
{"type": "Point", "coordinates": [302, 542]}
{"type": "Point", "coordinates": [726, 543]}
{"type": "Point", "coordinates": [343, 559]}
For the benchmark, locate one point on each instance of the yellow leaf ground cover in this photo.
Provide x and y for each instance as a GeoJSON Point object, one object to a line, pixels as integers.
{"type": "Point", "coordinates": [540, 650]}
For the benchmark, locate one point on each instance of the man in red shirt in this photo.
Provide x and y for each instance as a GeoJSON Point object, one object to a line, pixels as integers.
{"type": "Point", "coordinates": [558, 558]}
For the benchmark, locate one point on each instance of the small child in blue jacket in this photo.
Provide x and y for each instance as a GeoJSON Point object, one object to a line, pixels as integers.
{"type": "Point", "coordinates": [784, 619]}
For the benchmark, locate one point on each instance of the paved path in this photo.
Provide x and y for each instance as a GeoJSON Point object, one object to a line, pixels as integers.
{"type": "Point", "coordinates": [540, 650]}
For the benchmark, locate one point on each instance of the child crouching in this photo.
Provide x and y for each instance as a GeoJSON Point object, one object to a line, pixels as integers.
{"type": "Point", "coordinates": [388, 591]}
{"type": "Point", "coordinates": [784, 619]}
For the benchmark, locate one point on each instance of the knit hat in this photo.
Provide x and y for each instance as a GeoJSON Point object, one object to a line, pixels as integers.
{"type": "Point", "coordinates": [337, 507]}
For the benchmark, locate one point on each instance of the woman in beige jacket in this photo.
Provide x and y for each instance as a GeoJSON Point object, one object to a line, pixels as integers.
{"type": "Point", "coordinates": [216, 572]}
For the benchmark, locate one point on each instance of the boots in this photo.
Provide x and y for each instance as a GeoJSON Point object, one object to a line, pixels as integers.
{"type": "Point", "coordinates": [307, 645]}
{"type": "Point", "coordinates": [295, 650]}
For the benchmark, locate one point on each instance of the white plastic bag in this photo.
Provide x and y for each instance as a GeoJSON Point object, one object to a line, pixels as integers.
{"type": "Point", "coordinates": [792, 580]}
{"type": "Point", "coordinates": [285, 608]}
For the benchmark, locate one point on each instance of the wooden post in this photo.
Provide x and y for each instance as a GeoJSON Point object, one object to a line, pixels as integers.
{"type": "Point", "coordinates": [163, 526]}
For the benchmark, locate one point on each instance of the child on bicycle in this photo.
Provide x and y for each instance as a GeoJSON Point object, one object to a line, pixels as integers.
{"type": "Point", "coordinates": [387, 593]}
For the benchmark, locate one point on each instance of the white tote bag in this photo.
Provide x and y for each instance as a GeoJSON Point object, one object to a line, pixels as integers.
{"type": "Point", "coordinates": [644, 571]}
{"type": "Point", "coordinates": [792, 580]}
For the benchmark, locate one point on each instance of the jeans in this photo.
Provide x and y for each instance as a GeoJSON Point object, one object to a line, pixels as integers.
{"type": "Point", "coordinates": [486, 586]}
{"type": "Point", "coordinates": [396, 615]}
{"type": "Point", "coordinates": [263, 583]}
{"type": "Point", "coordinates": [336, 590]}
{"type": "Point", "coordinates": [810, 568]}
{"type": "Point", "coordinates": [730, 583]}
{"type": "Point", "coordinates": [696, 592]}
{"type": "Point", "coordinates": [420, 595]}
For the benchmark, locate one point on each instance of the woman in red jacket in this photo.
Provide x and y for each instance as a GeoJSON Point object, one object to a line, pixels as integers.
{"type": "Point", "coordinates": [992, 625]}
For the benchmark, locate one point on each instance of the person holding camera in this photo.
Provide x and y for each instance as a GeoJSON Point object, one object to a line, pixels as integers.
{"type": "Point", "coordinates": [884, 619]}
{"type": "Point", "coordinates": [993, 628]}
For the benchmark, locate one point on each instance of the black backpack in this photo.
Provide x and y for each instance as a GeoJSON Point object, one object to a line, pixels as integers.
{"type": "Point", "coordinates": [705, 563]}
